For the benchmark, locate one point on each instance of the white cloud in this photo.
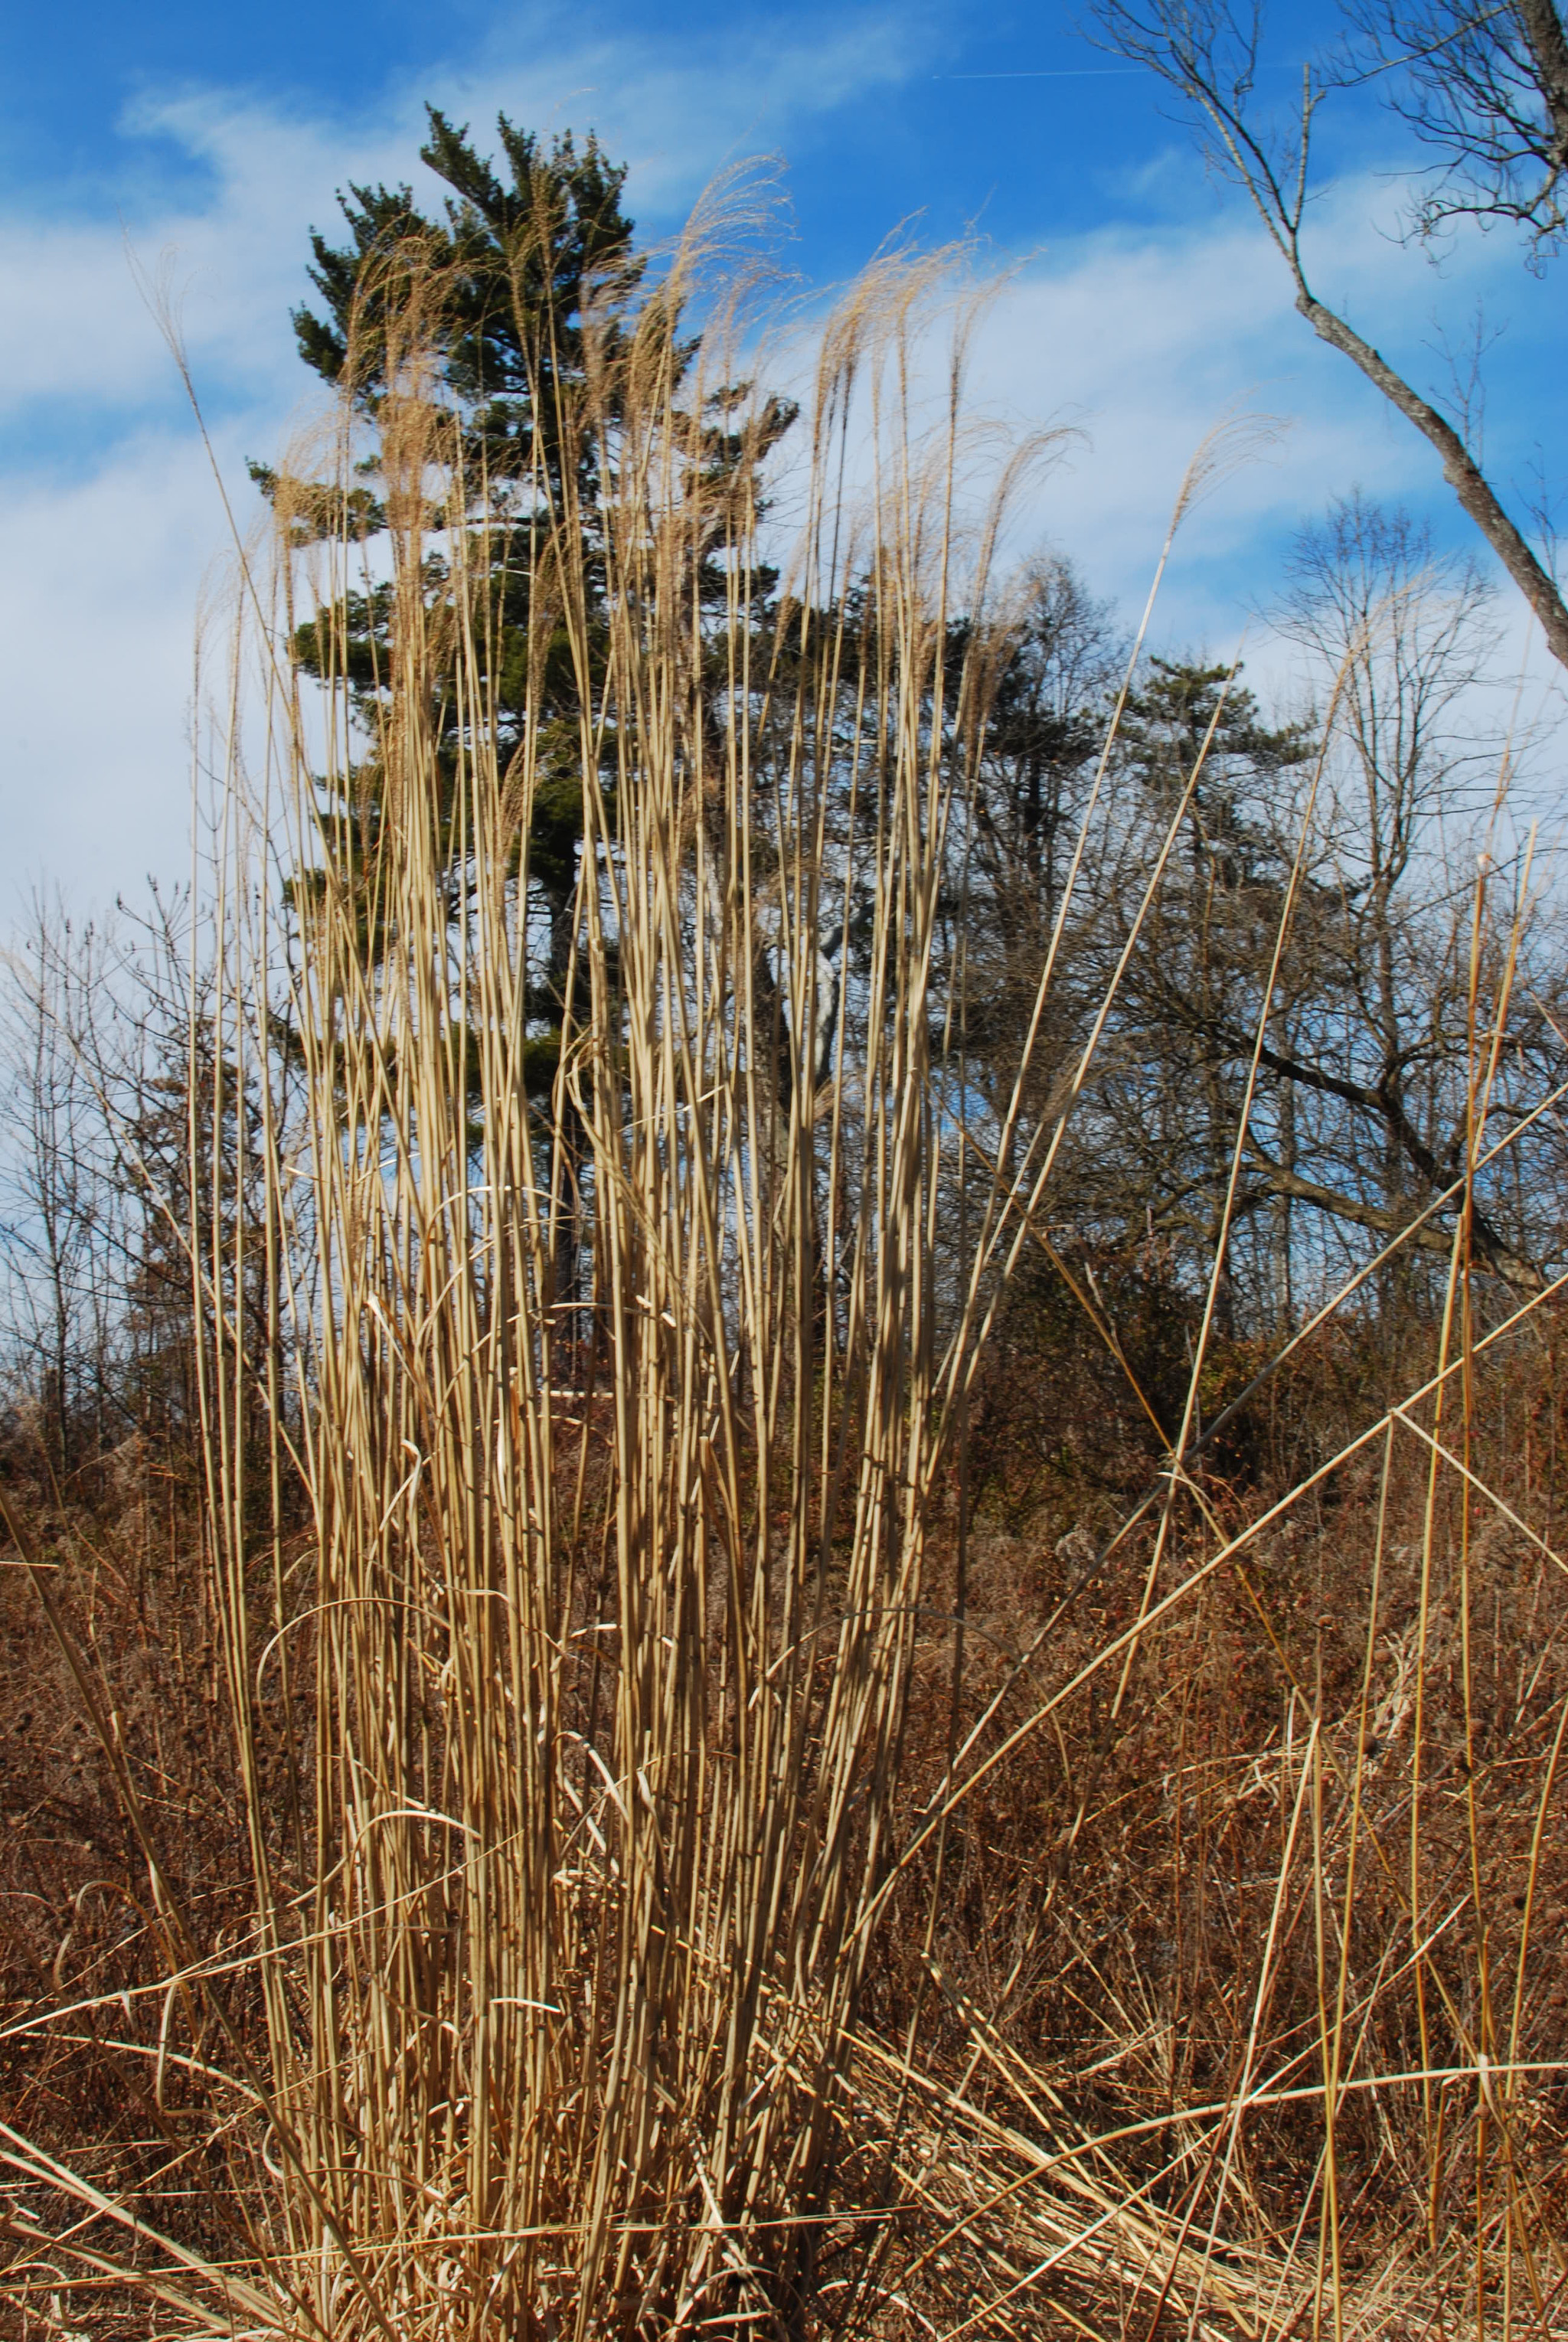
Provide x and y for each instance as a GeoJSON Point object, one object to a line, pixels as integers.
{"type": "Point", "coordinates": [1144, 341]}
{"type": "Point", "coordinates": [98, 582]}
{"type": "Point", "coordinates": [1150, 341]}
{"type": "Point", "coordinates": [111, 516]}
{"type": "Point", "coordinates": [234, 255]}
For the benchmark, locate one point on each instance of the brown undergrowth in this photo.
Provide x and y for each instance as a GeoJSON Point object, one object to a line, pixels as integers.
{"type": "Point", "coordinates": [1127, 1916]}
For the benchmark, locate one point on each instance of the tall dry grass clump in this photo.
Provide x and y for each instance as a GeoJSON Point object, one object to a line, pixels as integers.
{"type": "Point", "coordinates": [622, 1412]}
{"type": "Point", "coordinates": [699, 1880]}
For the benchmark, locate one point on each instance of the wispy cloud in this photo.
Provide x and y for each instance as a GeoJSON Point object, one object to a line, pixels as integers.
{"type": "Point", "coordinates": [235, 248]}
{"type": "Point", "coordinates": [1145, 340]}
{"type": "Point", "coordinates": [110, 517]}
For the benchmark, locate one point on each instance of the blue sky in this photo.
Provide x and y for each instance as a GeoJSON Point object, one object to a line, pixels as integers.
{"type": "Point", "coordinates": [204, 142]}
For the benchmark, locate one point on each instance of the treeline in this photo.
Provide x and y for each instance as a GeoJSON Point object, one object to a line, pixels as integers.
{"type": "Point", "coordinates": [1314, 948]}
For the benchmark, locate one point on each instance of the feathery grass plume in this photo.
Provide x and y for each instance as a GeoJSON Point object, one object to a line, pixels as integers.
{"type": "Point", "coordinates": [614, 1590]}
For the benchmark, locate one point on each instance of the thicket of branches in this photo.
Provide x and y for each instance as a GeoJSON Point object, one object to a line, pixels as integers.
{"type": "Point", "coordinates": [1374, 806]}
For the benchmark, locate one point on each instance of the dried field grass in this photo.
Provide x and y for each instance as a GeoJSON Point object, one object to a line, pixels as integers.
{"type": "Point", "coordinates": [654, 1848]}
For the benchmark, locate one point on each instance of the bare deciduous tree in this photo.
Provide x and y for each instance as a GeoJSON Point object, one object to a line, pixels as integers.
{"type": "Point", "coordinates": [1486, 89]}
{"type": "Point", "coordinates": [56, 1238]}
{"type": "Point", "coordinates": [1365, 1043]}
{"type": "Point", "coordinates": [1489, 88]}
{"type": "Point", "coordinates": [1383, 1025]}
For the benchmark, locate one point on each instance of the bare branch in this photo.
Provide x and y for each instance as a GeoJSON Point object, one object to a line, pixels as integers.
{"type": "Point", "coordinates": [1209, 54]}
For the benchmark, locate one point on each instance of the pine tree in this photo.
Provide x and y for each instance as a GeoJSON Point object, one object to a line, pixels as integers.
{"type": "Point", "coordinates": [509, 271]}
{"type": "Point", "coordinates": [509, 276]}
